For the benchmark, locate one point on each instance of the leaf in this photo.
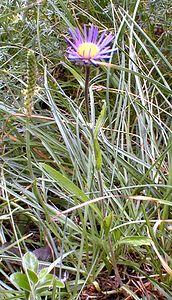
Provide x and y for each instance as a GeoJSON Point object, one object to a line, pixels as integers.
{"type": "Point", "coordinates": [33, 276]}
{"type": "Point", "coordinates": [98, 155]}
{"type": "Point", "coordinates": [100, 120]}
{"type": "Point", "coordinates": [49, 280]}
{"type": "Point", "coordinates": [75, 74]}
{"type": "Point", "coordinates": [43, 273]}
{"type": "Point", "coordinates": [107, 222]}
{"type": "Point", "coordinates": [65, 183]}
{"type": "Point", "coordinates": [135, 241]}
{"type": "Point", "coordinates": [20, 280]}
{"type": "Point", "coordinates": [59, 283]}
{"type": "Point", "coordinates": [152, 199]}
{"type": "Point", "coordinates": [30, 262]}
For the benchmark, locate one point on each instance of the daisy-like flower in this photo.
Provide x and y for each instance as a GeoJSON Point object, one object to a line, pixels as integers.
{"type": "Point", "coordinates": [88, 48]}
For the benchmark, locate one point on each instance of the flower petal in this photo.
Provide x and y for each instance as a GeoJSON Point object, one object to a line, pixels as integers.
{"type": "Point", "coordinates": [90, 34]}
{"type": "Point", "coordinates": [79, 36]}
{"type": "Point", "coordinates": [95, 34]}
{"type": "Point", "coordinates": [101, 38]}
{"type": "Point", "coordinates": [71, 44]}
{"type": "Point", "coordinates": [73, 35]}
{"type": "Point", "coordinates": [85, 33]}
{"type": "Point", "coordinates": [106, 41]}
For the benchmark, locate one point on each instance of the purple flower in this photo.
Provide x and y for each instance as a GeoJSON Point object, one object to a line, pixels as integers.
{"type": "Point", "coordinates": [87, 48]}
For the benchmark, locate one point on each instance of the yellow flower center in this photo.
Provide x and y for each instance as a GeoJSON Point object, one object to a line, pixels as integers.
{"type": "Point", "coordinates": [88, 50]}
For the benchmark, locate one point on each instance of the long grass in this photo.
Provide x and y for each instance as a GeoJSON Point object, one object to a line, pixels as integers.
{"type": "Point", "coordinates": [109, 221]}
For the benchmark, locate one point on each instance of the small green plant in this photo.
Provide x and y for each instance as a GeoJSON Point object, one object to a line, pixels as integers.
{"type": "Point", "coordinates": [33, 282]}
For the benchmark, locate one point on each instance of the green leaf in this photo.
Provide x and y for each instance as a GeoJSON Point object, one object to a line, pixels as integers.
{"type": "Point", "coordinates": [59, 283]}
{"type": "Point", "coordinates": [30, 262]}
{"type": "Point", "coordinates": [33, 276]}
{"type": "Point", "coordinates": [46, 271]}
{"type": "Point", "coordinates": [76, 75]}
{"type": "Point", "coordinates": [107, 222]}
{"type": "Point", "coordinates": [117, 234]}
{"type": "Point", "coordinates": [65, 183]}
{"type": "Point", "coordinates": [135, 241]}
{"type": "Point", "coordinates": [43, 273]}
{"type": "Point", "coordinates": [100, 120]}
{"type": "Point", "coordinates": [20, 280]}
{"type": "Point", "coordinates": [98, 155]}
{"type": "Point", "coordinates": [49, 280]}
{"type": "Point", "coordinates": [107, 263]}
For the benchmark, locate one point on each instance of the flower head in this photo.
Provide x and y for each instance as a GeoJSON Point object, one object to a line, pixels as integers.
{"type": "Point", "coordinates": [88, 48]}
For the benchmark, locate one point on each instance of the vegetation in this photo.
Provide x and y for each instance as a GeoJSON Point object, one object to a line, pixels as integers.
{"type": "Point", "coordinates": [85, 207]}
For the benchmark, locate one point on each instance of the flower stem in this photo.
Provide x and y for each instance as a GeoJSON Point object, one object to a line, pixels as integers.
{"type": "Point", "coordinates": [87, 109]}
{"type": "Point", "coordinates": [28, 148]}
{"type": "Point", "coordinates": [100, 182]}
{"type": "Point", "coordinates": [99, 175]}
{"type": "Point", "coordinates": [87, 79]}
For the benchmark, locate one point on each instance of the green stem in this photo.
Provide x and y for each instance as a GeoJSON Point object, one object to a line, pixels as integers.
{"type": "Point", "coordinates": [114, 263]}
{"type": "Point", "coordinates": [100, 182]}
{"type": "Point", "coordinates": [28, 149]}
{"type": "Point", "coordinates": [87, 109]}
{"type": "Point", "coordinates": [87, 79]}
